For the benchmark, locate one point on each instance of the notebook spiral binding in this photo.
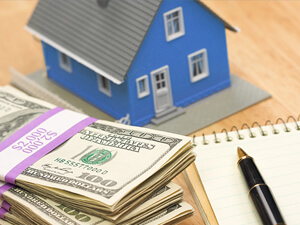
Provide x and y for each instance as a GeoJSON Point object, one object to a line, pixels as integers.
{"type": "Point", "coordinates": [252, 134]}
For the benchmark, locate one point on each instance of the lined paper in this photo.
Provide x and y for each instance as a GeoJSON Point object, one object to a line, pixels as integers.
{"type": "Point", "coordinates": [276, 155]}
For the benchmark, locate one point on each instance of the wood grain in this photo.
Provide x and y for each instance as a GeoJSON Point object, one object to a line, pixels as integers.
{"type": "Point", "coordinates": [266, 53]}
{"type": "Point", "coordinates": [18, 48]}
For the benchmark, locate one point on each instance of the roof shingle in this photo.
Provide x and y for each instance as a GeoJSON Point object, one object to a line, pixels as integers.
{"type": "Point", "coordinates": [105, 40]}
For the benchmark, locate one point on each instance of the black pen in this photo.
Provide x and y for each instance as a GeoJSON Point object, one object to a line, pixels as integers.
{"type": "Point", "coordinates": [259, 191]}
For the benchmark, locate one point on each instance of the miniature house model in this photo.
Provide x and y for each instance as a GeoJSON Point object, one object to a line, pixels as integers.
{"type": "Point", "coordinates": [145, 58]}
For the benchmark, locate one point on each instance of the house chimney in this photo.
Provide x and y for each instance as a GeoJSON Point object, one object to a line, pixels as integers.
{"type": "Point", "coordinates": [103, 3]}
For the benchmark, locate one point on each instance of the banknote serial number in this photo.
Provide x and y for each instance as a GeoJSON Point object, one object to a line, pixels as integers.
{"type": "Point", "coordinates": [80, 165]}
{"type": "Point", "coordinates": [34, 140]}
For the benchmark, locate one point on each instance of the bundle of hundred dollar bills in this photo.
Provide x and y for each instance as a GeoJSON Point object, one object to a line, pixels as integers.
{"type": "Point", "coordinates": [106, 173]}
{"type": "Point", "coordinates": [28, 208]}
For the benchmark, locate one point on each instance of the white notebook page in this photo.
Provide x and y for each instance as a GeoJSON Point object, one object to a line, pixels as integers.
{"type": "Point", "coordinates": [277, 156]}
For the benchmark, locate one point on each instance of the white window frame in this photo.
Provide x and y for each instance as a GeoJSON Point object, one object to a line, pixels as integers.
{"type": "Point", "coordinates": [101, 87]}
{"type": "Point", "coordinates": [66, 66]}
{"type": "Point", "coordinates": [146, 92]}
{"type": "Point", "coordinates": [205, 72]}
{"type": "Point", "coordinates": [181, 31]}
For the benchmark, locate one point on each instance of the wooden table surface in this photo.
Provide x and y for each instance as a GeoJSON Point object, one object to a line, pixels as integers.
{"type": "Point", "coordinates": [266, 53]}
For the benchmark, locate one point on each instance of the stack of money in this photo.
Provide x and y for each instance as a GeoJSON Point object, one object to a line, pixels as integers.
{"type": "Point", "coordinates": [107, 170]}
{"type": "Point", "coordinates": [163, 205]}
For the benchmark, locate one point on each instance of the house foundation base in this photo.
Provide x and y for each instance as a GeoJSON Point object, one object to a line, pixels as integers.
{"type": "Point", "coordinates": [168, 114]}
{"type": "Point", "coordinates": [240, 95]}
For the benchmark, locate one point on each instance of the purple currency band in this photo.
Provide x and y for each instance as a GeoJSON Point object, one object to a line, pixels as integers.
{"type": "Point", "coordinates": [17, 170]}
{"type": "Point", "coordinates": [6, 205]}
{"type": "Point", "coordinates": [5, 188]}
{"type": "Point", "coordinates": [33, 124]}
{"type": "Point", "coordinates": [2, 213]}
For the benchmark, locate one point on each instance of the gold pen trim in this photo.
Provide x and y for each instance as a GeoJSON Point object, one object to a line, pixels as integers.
{"type": "Point", "coordinates": [255, 187]}
{"type": "Point", "coordinates": [242, 158]}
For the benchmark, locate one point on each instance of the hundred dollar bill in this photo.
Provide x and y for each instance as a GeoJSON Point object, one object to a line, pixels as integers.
{"type": "Point", "coordinates": [172, 214]}
{"type": "Point", "coordinates": [16, 110]}
{"type": "Point", "coordinates": [3, 222]}
{"type": "Point", "coordinates": [33, 209]}
{"type": "Point", "coordinates": [106, 169]}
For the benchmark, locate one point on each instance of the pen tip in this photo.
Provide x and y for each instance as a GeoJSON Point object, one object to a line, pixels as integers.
{"type": "Point", "coordinates": [241, 153]}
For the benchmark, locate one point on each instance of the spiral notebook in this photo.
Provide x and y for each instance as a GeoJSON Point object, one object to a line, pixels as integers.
{"type": "Point", "coordinates": [217, 186]}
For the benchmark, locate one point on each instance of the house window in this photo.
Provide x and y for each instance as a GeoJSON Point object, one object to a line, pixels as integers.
{"type": "Point", "coordinates": [65, 62]}
{"type": "Point", "coordinates": [174, 26]}
{"type": "Point", "coordinates": [198, 64]}
{"type": "Point", "coordinates": [104, 85]}
{"type": "Point", "coordinates": [142, 84]}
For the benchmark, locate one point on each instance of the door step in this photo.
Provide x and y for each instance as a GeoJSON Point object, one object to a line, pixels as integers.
{"type": "Point", "coordinates": [167, 115]}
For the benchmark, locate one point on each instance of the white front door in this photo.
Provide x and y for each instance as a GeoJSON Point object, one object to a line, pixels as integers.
{"type": "Point", "coordinates": [162, 93]}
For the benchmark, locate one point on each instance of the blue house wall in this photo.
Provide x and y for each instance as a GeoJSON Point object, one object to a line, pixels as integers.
{"type": "Point", "coordinates": [83, 82]}
{"type": "Point", "coordinates": [202, 30]}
